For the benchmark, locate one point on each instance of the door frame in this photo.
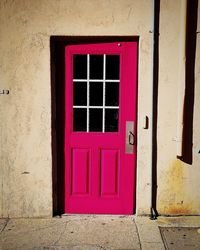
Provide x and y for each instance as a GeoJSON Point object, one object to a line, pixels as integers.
{"type": "Point", "coordinates": [57, 63]}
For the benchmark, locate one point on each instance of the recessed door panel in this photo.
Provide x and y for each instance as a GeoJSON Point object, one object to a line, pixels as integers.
{"type": "Point", "coordinates": [80, 171]}
{"type": "Point", "coordinates": [109, 172]}
{"type": "Point", "coordinates": [100, 98]}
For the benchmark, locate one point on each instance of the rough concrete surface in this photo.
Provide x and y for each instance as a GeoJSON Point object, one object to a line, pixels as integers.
{"type": "Point", "coordinates": [149, 230]}
{"type": "Point", "coordinates": [71, 232]}
{"type": "Point", "coordinates": [3, 223]}
{"type": "Point", "coordinates": [149, 234]}
{"type": "Point", "coordinates": [91, 232]}
{"type": "Point", "coordinates": [186, 238]}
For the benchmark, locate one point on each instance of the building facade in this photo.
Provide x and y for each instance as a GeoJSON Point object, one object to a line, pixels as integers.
{"type": "Point", "coordinates": [29, 33]}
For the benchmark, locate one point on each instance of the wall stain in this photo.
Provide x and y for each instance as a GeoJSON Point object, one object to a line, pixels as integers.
{"type": "Point", "coordinates": [174, 200]}
{"type": "Point", "coordinates": [25, 172]}
{"type": "Point", "coordinates": [179, 210]}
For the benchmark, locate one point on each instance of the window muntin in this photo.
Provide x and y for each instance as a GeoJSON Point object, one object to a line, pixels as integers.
{"type": "Point", "coordinates": [96, 84]}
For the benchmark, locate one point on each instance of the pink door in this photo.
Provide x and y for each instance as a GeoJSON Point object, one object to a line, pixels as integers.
{"type": "Point", "coordinates": [100, 128]}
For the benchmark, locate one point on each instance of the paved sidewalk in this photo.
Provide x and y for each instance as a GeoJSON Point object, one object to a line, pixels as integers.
{"type": "Point", "coordinates": [150, 236]}
{"type": "Point", "coordinates": [94, 232]}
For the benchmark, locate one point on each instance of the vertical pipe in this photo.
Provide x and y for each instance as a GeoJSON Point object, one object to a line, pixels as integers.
{"type": "Point", "coordinates": [154, 107]}
{"type": "Point", "coordinates": [182, 77]}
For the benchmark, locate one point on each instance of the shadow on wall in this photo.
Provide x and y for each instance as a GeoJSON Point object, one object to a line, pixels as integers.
{"type": "Point", "coordinates": [57, 47]}
{"type": "Point", "coordinates": [187, 146]}
{"type": "Point", "coordinates": [58, 118]}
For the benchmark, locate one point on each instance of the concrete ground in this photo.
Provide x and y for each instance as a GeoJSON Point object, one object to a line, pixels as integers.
{"type": "Point", "coordinates": [89, 232]}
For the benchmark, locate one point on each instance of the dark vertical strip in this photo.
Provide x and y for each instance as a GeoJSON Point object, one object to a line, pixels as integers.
{"type": "Point", "coordinates": [154, 212]}
{"type": "Point", "coordinates": [53, 129]}
{"type": "Point", "coordinates": [58, 123]}
{"type": "Point", "coordinates": [192, 14]}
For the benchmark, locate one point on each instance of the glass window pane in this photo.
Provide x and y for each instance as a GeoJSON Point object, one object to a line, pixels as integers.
{"type": "Point", "coordinates": [96, 66]}
{"type": "Point", "coordinates": [80, 93]}
{"type": "Point", "coordinates": [80, 67]}
{"type": "Point", "coordinates": [95, 118]}
{"type": "Point", "coordinates": [112, 94]}
{"type": "Point", "coordinates": [111, 120]}
{"type": "Point", "coordinates": [112, 67]}
{"type": "Point", "coordinates": [80, 119]}
{"type": "Point", "coordinates": [96, 93]}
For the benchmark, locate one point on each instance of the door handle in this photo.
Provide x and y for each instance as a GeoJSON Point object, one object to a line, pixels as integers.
{"type": "Point", "coordinates": [131, 138]}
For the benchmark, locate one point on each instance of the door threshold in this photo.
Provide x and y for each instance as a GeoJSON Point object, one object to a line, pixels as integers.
{"type": "Point", "coordinates": [99, 215]}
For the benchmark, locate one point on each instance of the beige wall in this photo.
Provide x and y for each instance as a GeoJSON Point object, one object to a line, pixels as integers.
{"type": "Point", "coordinates": [178, 182]}
{"type": "Point", "coordinates": [25, 124]}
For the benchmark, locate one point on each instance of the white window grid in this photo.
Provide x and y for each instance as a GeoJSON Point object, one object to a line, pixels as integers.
{"type": "Point", "coordinates": [88, 80]}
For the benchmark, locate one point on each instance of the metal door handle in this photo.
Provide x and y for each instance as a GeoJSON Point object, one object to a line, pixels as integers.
{"type": "Point", "coordinates": [131, 138]}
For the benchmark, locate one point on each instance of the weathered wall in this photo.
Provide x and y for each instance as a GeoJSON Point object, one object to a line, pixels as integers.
{"type": "Point", "coordinates": [25, 124]}
{"type": "Point", "coordinates": [178, 182]}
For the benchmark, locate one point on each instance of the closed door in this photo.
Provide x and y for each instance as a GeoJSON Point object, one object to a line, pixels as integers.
{"type": "Point", "coordinates": [100, 128]}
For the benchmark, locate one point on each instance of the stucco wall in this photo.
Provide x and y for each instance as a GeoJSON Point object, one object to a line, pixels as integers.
{"type": "Point", "coordinates": [25, 124]}
{"type": "Point", "coordinates": [178, 182]}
